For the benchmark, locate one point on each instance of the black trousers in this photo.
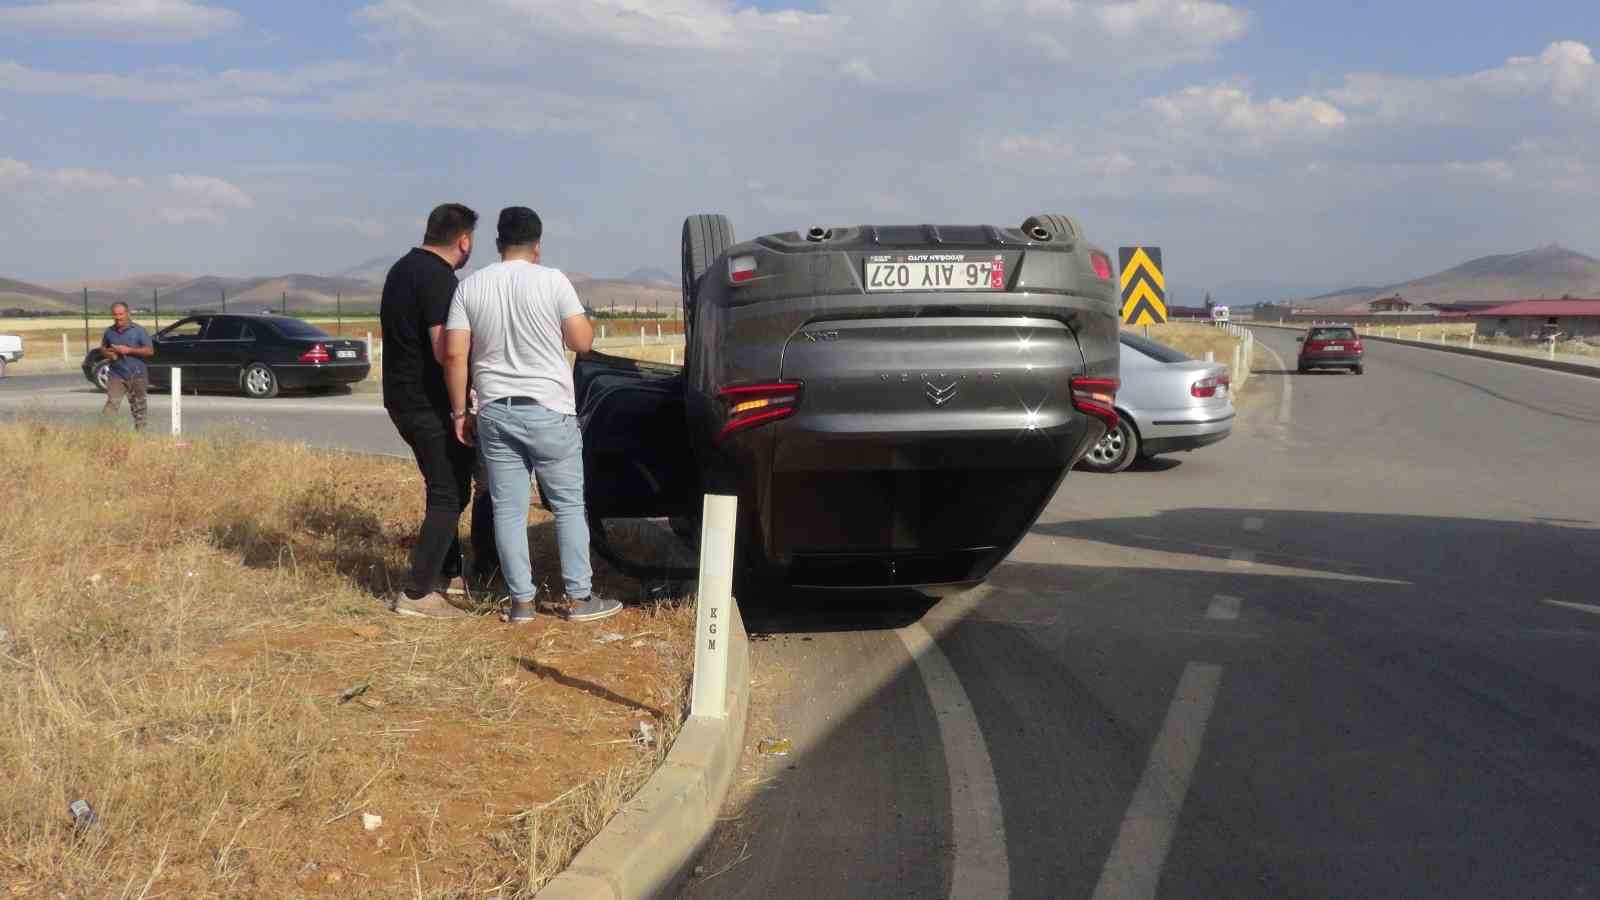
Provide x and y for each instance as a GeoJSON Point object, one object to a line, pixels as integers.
{"type": "Point", "coordinates": [446, 466]}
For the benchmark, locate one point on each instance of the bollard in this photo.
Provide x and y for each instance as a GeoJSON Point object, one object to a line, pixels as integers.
{"type": "Point", "coordinates": [380, 348]}
{"type": "Point", "coordinates": [712, 608]}
{"type": "Point", "coordinates": [1552, 348]}
{"type": "Point", "coordinates": [177, 401]}
{"type": "Point", "coordinates": [658, 332]}
{"type": "Point", "coordinates": [369, 345]}
{"type": "Point", "coordinates": [1419, 334]}
{"type": "Point", "coordinates": [1210, 357]}
{"type": "Point", "coordinates": [64, 356]}
{"type": "Point", "coordinates": [602, 332]}
{"type": "Point", "coordinates": [641, 337]}
{"type": "Point", "coordinates": [1237, 352]}
{"type": "Point", "coordinates": [672, 356]}
{"type": "Point", "coordinates": [1472, 340]}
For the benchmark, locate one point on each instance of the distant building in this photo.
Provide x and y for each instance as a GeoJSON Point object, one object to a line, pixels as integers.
{"type": "Point", "coordinates": [1539, 318]}
{"type": "Point", "coordinates": [1390, 304]}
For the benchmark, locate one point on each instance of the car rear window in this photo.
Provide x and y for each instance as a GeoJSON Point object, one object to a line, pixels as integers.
{"type": "Point", "coordinates": [1332, 334]}
{"type": "Point", "coordinates": [1157, 352]}
{"type": "Point", "coordinates": [294, 328]}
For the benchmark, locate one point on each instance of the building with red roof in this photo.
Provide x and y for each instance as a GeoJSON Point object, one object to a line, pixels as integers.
{"type": "Point", "coordinates": [1538, 318]}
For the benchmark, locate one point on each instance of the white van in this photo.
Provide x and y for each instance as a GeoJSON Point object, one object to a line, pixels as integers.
{"type": "Point", "coordinates": [10, 351]}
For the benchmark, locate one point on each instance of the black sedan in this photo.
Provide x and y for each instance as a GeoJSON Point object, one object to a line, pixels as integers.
{"type": "Point", "coordinates": [257, 354]}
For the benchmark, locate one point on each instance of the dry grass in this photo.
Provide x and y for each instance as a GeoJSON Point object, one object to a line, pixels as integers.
{"type": "Point", "coordinates": [181, 635]}
{"type": "Point", "coordinates": [1430, 332]}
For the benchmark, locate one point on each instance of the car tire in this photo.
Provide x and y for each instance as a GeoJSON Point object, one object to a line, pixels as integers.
{"type": "Point", "coordinates": [102, 374]}
{"type": "Point", "coordinates": [259, 381]}
{"type": "Point", "coordinates": [3, 362]}
{"type": "Point", "coordinates": [1302, 369]}
{"type": "Point", "coordinates": [1114, 452]}
{"type": "Point", "coordinates": [1060, 228]}
{"type": "Point", "coordinates": [1359, 370]}
{"type": "Point", "coordinates": [705, 238]}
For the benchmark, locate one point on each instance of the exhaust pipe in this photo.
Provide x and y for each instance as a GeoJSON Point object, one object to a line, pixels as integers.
{"type": "Point", "coordinates": [817, 235]}
{"type": "Point", "coordinates": [1039, 233]}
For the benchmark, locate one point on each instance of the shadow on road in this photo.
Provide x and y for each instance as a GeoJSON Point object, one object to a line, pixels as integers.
{"type": "Point", "coordinates": [1400, 716]}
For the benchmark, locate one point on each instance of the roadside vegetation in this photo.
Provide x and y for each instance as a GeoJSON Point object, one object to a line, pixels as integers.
{"type": "Point", "coordinates": [193, 640]}
{"type": "Point", "coordinates": [1196, 340]}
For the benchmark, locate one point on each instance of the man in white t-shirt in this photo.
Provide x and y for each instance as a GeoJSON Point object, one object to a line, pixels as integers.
{"type": "Point", "coordinates": [514, 322]}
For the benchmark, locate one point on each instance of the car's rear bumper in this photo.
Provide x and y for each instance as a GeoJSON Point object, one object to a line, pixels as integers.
{"type": "Point", "coordinates": [295, 376]}
{"type": "Point", "coordinates": [1330, 360]}
{"type": "Point", "coordinates": [1170, 431]}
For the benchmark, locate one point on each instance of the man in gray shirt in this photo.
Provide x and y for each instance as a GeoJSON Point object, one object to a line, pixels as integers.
{"type": "Point", "coordinates": [511, 324]}
{"type": "Point", "coordinates": [127, 345]}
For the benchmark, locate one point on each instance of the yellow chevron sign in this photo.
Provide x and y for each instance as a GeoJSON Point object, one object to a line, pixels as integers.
{"type": "Point", "coordinates": [1144, 288]}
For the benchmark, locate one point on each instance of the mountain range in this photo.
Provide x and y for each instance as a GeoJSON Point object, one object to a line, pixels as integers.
{"type": "Point", "coordinates": [1549, 272]}
{"type": "Point", "coordinates": [356, 290]}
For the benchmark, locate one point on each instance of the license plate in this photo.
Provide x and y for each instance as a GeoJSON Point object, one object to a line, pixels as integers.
{"type": "Point", "coordinates": [1333, 347]}
{"type": "Point", "coordinates": [347, 354]}
{"type": "Point", "coordinates": [935, 272]}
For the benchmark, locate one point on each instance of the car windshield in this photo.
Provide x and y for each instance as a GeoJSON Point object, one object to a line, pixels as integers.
{"type": "Point", "coordinates": [1332, 334]}
{"type": "Point", "coordinates": [1157, 352]}
{"type": "Point", "coordinates": [295, 328]}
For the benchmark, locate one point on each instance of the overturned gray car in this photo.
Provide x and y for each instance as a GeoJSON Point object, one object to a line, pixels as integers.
{"type": "Point", "coordinates": [893, 405]}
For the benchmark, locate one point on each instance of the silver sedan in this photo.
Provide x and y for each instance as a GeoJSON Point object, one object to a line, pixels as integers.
{"type": "Point", "coordinates": [1168, 402]}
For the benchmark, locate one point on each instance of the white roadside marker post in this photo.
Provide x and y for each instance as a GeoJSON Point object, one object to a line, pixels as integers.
{"type": "Point", "coordinates": [369, 345]}
{"type": "Point", "coordinates": [1210, 356]}
{"type": "Point", "coordinates": [1472, 340]}
{"type": "Point", "coordinates": [641, 337]}
{"type": "Point", "coordinates": [602, 332]}
{"type": "Point", "coordinates": [713, 608]}
{"type": "Point", "coordinates": [658, 332]}
{"type": "Point", "coordinates": [177, 401]}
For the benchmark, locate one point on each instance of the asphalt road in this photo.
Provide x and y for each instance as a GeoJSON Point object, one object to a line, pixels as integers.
{"type": "Point", "coordinates": [339, 421]}
{"type": "Point", "coordinates": [1353, 651]}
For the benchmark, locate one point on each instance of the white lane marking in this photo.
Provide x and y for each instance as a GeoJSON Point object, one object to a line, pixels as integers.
{"type": "Point", "coordinates": [1581, 607]}
{"type": "Point", "coordinates": [1254, 523]}
{"type": "Point", "coordinates": [1286, 400]}
{"type": "Point", "coordinates": [1133, 871]}
{"type": "Point", "coordinates": [981, 868]}
{"type": "Point", "coordinates": [1241, 559]}
{"type": "Point", "coordinates": [1223, 607]}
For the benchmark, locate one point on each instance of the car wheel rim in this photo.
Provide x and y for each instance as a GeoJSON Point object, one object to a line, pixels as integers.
{"type": "Point", "coordinates": [257, 381]}
{"type": "Point", "coordinates": [1110, 448]}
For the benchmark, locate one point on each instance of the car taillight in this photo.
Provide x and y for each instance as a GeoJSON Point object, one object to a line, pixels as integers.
{"type": "Point", "coordinates": [1207, 387]}
{"type": "Point", "coordinates": [1096, 397]}
{"type": "Point", "coordinates": [741, 269]}
{"type": "Point", "coordinates": [750, 405]}
{"type": "Point", "coordinates": [1101, 263]}
{"type": "Point", "coordinates": [317, 354]}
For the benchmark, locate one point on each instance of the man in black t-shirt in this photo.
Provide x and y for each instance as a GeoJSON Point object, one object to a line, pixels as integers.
{"type": "Point", "coordinates": [416, 302]}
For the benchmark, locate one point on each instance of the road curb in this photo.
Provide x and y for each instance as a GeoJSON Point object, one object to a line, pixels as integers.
{"type": "Point", "coordinates": [1555, 365]}
{"type": "Point", "coordinates": [645, 851]}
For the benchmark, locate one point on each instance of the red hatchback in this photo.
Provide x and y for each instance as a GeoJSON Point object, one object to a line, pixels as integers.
{"type": "Point", "coordinates": [1331, 347]}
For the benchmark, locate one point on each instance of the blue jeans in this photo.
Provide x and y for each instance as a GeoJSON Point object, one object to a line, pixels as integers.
{"type": "Point", "coordinates": [516, 442]}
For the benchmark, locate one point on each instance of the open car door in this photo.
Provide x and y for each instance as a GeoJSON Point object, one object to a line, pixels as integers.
{"type": "Point", "coordinates": [637, 462]}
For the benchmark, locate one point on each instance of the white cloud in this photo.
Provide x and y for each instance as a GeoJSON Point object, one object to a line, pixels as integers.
{"type": "Point", "coordinates": [210, 192]}
{"type": "Point", "coordinates": [683, 25]}
{"type": "Point", "coordinates": [1225, 111]}
{"type": "Point", "coordinates": [189, 215]}
{"type": "Point", "coordinates": [18, 172]}
{"type": "Point", "coordinates": [1562, 78]}
{"type": "Point", "coordinates": [139, 20]}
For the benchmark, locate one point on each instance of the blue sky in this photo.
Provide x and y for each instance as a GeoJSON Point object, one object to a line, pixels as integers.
{"type": "Point", "coordinates": [1304, 142]}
